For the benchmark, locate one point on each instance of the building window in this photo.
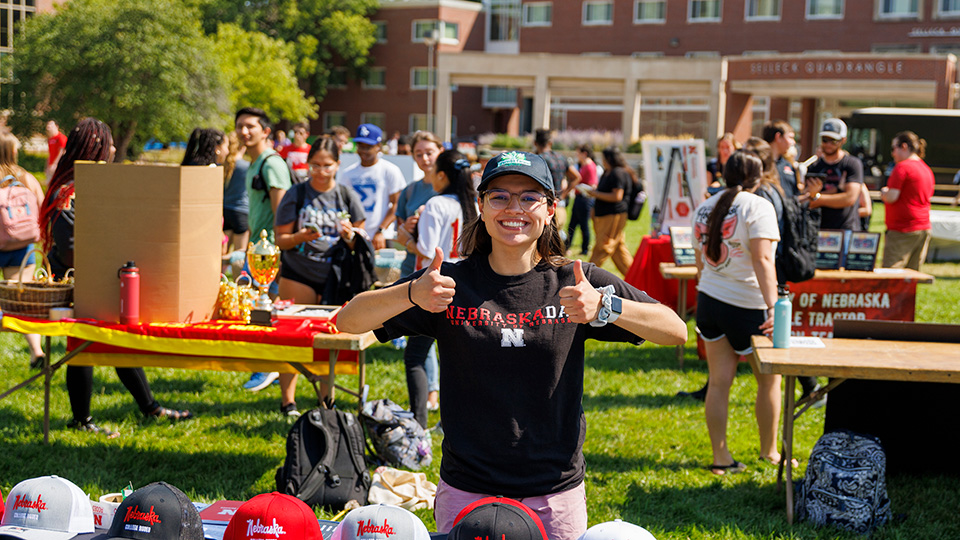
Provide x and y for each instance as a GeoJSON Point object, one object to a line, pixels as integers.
{"type": "Point", "coordinates": [11, 15]}
{"type": "Point", "coordinates": [649, 11]}
{"type": "Point", "coordinates": [597, 12]}
{"type": "Point", "coordinates": [538, 14]}
{"type": "Point", "coordinates": [447, 32]}
{"type": "Point", "coordinates": [338, 78]}
{"type": "Point", "coordinates": [334, 118]}
{"type": "Point", "coordinates": [376, 118]}
{"type": "Point", "coordinates": [763, 10]}
{"type": "Point", "coordinates": [499, 97]}
{"type": "Point", "coordinates": [504, 20]}
{"type": "Point", "coordinates": [824, 9]}
{"type": "Point", "coordinates": [422, 78]}
{"type": "Point", "coordinates": [898, 9]}
{"type": "Point", "coordinates": [376, 78]}
{"type": "Point", "coordinates": [896, 48]}
{"type": "Point", "coordinates": [949, 8]}
{"type": "Point", "coordinates": [380, 31]}
{"type": "Point", "coordinates": [418, 122]}
{"type": "Point", "coordinates": [704, 10]}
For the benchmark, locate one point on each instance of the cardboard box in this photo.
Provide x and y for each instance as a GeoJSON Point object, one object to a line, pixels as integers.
{"type": "Point", "coordinates": [167, 219]}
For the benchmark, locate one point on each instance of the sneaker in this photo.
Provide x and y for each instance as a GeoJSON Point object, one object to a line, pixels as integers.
{"type": "Point", "coordinates": [290, 409]}
{"type": "Point", "coordinates": [88, 426]}
{"type": "Point", "coordinates": [259, 381]}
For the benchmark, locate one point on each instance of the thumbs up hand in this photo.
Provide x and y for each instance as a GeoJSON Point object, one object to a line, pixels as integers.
{"type": "Point", "coordinates": [580, 301]}
{"type": "Point", "coordinates": [433, 291]}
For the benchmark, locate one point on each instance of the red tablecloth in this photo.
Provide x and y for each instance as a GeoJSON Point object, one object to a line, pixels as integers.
{"type": "Point", "coordinates": [645, 272]}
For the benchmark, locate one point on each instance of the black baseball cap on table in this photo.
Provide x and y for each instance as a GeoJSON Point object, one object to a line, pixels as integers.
{"type": "Point", "coordinates": [157, 511]}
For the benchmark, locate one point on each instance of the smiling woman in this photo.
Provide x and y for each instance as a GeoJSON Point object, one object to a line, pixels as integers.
{"type": "Point", "coordinates": [511, 319]}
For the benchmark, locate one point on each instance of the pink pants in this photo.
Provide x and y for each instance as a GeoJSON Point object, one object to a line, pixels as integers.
{"type": "Point", "coordinates": [564, 514]}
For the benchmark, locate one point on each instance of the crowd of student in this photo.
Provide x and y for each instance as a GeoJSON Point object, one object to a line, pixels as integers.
{"type": "Point", "coordinates": [488, 280]}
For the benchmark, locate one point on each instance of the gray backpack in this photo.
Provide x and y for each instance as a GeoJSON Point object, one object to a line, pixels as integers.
{"type": "Point", "coordinates": [398, 440]}
{"type": "Point", "coordinates": [845, 483]}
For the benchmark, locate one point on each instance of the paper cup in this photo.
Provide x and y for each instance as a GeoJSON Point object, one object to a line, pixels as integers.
{"type": "Point", "coordinates": [104, 509]}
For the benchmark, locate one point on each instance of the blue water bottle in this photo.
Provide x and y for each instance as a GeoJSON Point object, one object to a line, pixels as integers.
{"type": "Point", "coordinates": [782, 318]}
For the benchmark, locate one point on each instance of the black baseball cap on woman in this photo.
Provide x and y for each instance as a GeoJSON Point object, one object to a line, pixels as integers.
{"type": "Point", "coordinates": [517, 162]}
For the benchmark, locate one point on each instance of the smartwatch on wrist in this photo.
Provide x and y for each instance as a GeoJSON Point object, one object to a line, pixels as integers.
{"type": "Point", "coordinates": [611, 306]}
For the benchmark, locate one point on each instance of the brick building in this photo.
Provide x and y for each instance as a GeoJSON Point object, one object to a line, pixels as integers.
{"type": "Point", "coordinates": [649, 66]}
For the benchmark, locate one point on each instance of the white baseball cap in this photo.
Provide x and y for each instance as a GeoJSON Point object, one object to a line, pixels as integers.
{"type": "Point", "coordinates": [834, 128]}
{"type": "Point", "coordinates": [617, 530]}
{"type": "Point", "coordinates": [380, 522]}
{"type": "Point", "coordinates": [46, 508]}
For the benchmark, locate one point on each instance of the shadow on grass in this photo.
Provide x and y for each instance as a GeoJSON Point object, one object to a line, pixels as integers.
{"type": "Point", "coordinates": [753, 509]}
{"type": "Point", "coordinates": [630, 359]}
{"type": "Point", "coordinates": [597, 403]}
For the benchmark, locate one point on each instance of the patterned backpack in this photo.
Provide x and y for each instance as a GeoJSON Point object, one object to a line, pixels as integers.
{"type": "Point", "coordinates": [398, 440]}
{"type": "Point", "coordinates": [845, 483]}
{"type": "Point", "coordinates": [19, 215]}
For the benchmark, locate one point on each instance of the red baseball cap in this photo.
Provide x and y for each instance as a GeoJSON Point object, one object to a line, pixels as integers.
{"type": "Point", "coordinates": [273, 515]}
{"type": "Point", "coordinates": [500, 518]}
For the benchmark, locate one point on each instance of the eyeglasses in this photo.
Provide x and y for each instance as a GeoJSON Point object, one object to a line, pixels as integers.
{"type": "Point", "coordinates": [499, 199]}
{"type": "Point", "coordinates": [829, 140]}
{"type": "Point", "coordinates": [314, 168]}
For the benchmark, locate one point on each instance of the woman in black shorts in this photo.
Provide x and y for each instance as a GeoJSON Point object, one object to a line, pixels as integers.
{"type": "Point", "coordinates": [312, 218]}
{"type": "Point", "coordinates": [736, 235]}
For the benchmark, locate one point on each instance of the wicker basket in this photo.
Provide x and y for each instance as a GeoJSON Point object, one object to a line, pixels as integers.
{"type": "Point", "coordinates": [35, 298]}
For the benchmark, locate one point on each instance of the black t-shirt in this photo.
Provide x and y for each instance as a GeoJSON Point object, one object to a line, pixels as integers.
{"type": "Point", "coordinates": [618, 178]}
{"type": "Point", "coordinates": [839, 174]}
{"type": "Point", "coordinates": [512, 376]}
{"type": "Point", "coordinates": [788, 177]}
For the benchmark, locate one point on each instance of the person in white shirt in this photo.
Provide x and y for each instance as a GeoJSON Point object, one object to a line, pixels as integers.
{"type": "Point", "coordinates": [376, 181]}
{"type": "Point", "coordinates": [736, 235]}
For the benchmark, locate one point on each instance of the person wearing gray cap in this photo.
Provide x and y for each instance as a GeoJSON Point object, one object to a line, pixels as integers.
{"type": "Point", "coordinates": [510, 319]}
{"type": "Point", "coordinates": [842, 176]}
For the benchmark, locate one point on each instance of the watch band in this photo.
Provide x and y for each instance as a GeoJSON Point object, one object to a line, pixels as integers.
{"type": "Point", "coordinates": [611, 306]}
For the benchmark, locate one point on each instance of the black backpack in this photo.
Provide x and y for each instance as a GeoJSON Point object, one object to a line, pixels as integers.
{"type": "Point", "coordinates": [259, 184]}
{"type": "Point", "coordinates": [325, 464]}
{"type": "Point", "coordinates": [635, 200]}
{"type": "Point", "coordinates": [796, 259]}
{"type": "Point", "coordinates": [845, 484]}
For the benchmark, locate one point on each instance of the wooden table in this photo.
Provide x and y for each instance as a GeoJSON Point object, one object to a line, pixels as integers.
{"type": "Point", "coordinates": [682, 274]}
{"type": "Point", "coordinates": [842, 359]}
{"type": "Point", "coordinates": [207, 353]}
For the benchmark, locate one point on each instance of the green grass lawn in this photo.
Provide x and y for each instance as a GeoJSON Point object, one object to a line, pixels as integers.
{"type": "Point", "coordinates": [645, 449]}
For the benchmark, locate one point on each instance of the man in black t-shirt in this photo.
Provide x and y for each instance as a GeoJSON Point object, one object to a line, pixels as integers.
{"type": "Point", "coordinates": [561, 170]}
{"type": "Point", "coordinates": [842, 176]}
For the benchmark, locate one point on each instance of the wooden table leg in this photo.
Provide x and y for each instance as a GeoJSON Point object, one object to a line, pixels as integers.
{"type": "Point", "coordinates": [682, 312]}
{"type": "Point", "coordinates": [787, 457]}
{"type": "Point", "coordinates": [362, 372]}
{"type": "Point", "coordinates": [47, 375]}
{"type": "Point", "coordinates": [332, 375]}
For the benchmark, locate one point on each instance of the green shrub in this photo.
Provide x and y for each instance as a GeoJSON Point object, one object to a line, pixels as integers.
{"type": "Point", "coordinates": [34, 163]}
{"type": "Point", "coordinates": [502, 140]}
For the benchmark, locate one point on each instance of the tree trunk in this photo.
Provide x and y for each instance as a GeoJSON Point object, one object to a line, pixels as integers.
{"type": "Point", "coordinates": [122, 138]}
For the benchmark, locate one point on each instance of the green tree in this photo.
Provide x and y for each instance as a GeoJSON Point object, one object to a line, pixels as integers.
{"type": "Point", "coordinates": [324, 33]}
{"type": "Point", "coordinates": [141, 66]}
{"type": "Point", "coordinates": [257, 71]}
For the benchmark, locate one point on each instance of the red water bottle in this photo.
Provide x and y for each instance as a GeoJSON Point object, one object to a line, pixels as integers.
{"type": "Point", "coordinates": [129, 276]}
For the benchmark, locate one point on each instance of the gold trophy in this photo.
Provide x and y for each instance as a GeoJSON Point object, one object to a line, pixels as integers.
{"type": "Point", "coordinates": [263, 258]}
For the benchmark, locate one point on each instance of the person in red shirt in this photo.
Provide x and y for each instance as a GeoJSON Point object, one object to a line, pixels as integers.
{"type": "Point", "coordinates": [296, 152]}
{"type": "Point", "coordinates": [907, 199]}
{"type": "Point", "coordinates": [55, 143]}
